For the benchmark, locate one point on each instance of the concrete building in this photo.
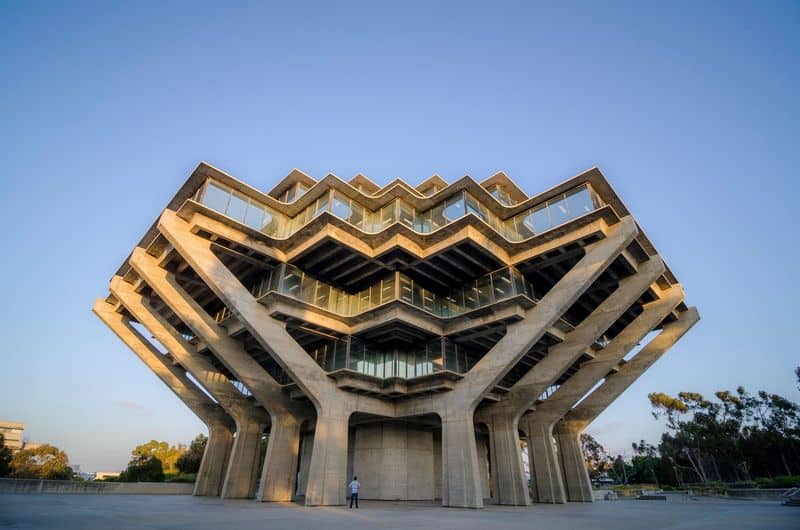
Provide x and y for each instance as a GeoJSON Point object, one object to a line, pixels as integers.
{"type": "Point", "coordinates": [413, 336]}
{"type": "Point", "coordinates": [12, 432]}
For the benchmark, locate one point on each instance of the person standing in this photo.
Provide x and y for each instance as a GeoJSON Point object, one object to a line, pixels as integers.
{"type": "Point", "coordinates": [355, 485]}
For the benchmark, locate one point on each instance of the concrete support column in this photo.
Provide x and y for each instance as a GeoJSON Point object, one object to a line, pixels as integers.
{"type": "Point", "coordinates": [240, 479]}
{"type": "Point", "coordinates": [576, 476]}
{"type": "Point", "coordinates": [327, 476]}
{"type": "Point", "coordinates": [461, 482]}
{"type": "Point", "coordinates": [220, 426]}
{"type": "Point", "coordinates": [508, 476]}
{"type": "Point", "coordinates": [280, 463]}
{"type": "Point", "coordinates": [211, 474]}
{"type": "Point", "coordinates": [545, 468]}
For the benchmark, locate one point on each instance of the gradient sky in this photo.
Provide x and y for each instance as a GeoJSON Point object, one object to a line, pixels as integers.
{"type": "Point", "coordinates": [691, 112]}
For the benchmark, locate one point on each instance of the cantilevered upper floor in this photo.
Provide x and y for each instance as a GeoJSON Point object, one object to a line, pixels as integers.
{"type": "Point", "coordinates": [400, 290]}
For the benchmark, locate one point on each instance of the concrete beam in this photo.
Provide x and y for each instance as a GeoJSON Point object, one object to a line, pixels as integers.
{"type": "Point", "coordinates": [568, 431]}
{"type": "Point", "coordinates": [616, 383]}
{"type": "Point", "coordinates": [461, 464]}
{"type": "Point", "coordinates": [540, 423]}
{"type": "Point", "coordinates": [278, 474]}
{"type": "Point", "coordinates": [526, 391]}
{"type": "Point", "coordinates": [220, 426]}
{"type": "Point", "coordinates": [334, 406]}
{"type": "Point", "coordinates": [240, 475]}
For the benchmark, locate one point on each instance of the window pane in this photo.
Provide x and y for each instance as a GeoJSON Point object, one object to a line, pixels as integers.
{"type": "Point", "coordinates": [501, 282]}
{"type": "Point", "coordinates": [291, 281]}
{"type": "Point", "coordinates": [356, 215]}
{"type": "Point", "coordinates": [540, 219]}
{"type": "Point", "coordinates": [322, 205]}
{"type": "Point", "coordinates": [523, 223]}
{"type": "Point", "coordinates": [237, 207]}
{"type": "Point", "coordinates": [406, 214]}
{"type": "Point", "coordinates": [216, 197]}
{"type": "Point", "coordinates": [580, 201]}
{"type": "Point", "coordinates": [454, 207]}
{"type": "Point", "coordinates": [387, 215]}
{"type": "Point", "coordinates": [341, 206]}
{"type": "Point", "coordinates": [559, 213]}
{"type": "Point", "coordinates": [476, 207]}
{"type": "Point", "coordinates": [254, 217]}
{"type": "Point", "coordinates": [322, 295]}
{"type": "Point", "coordinates": [387, 289]}
{"type": "Point", "coordinates": [437, 219]}
{"type": "Point", "coordinates": [406, 290]}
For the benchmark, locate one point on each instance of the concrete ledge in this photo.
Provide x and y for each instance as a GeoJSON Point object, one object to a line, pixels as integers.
{"type": "Point", "coordinates": [14, 485]}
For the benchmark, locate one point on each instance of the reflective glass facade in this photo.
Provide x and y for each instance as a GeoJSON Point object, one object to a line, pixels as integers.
{"type": "Point", "coordinates": [560, 209]}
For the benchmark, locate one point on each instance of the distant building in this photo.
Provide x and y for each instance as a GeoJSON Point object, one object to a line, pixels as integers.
{"type": "Point", "coordinates": [12, 432]}
{"type": "Point", "coordinates": [102, 475]}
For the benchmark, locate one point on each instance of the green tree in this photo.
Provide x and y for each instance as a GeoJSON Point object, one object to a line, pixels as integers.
{"type": "Point", "coordinates": [45, 461]}
{"type": "Point", "coordinates": [168, 455]}
{"type": "Point", "coordinates": [595, 455]}
{"type": "Point", "coordinates": [189, 461]}
{"type": "Point", "coordinates": [5, 457]}
{"type": "Point", "coordinates": [143, 468]}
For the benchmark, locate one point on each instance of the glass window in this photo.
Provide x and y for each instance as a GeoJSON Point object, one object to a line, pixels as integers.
{"type": "Point", "coordinates": [375, 295]}
{"type": "Point", "coordinates": [406, 290]}
{"type": "Point", "coordinates": [559, 213]}
{"type": "Point", "coordinates": [454, 207]}
{"type": "Point", "coordinates": [291, 281]}
{"type": "Point", "coordinates": [387, 215]}
{"type": "Point", "coordinates": [484, 289]}
{"type": "Point", "coordinates": [307, 288]}
{"type": "Point", "coordinates": [475, 207]}
{"type": "Point", "coordinates": [540, 219]}
{"type": "Point", "coordinates": [237, 207]}
{"type": "Point", "coordinates": [580, 201]}
{"type": "Point", "coordinates": [406, 214]}
{"type": "Point", "coordinates": [254, 218]}
{"type": "Point", "coordinates": [437, 219]}
{"type": "Point", "coordinates": [387, 289]}
{"type": "Point", "coordinates": [216, 197]}
{"type": "Point", "coordinates": [301, 190]}
{"type": "Point", "coordinates": [501, 282]}
{"type": "Point", "coordinates": [322, 295]}
{"type": "Point", "coordinates": [356, 215]}
{"type": "Point", "coordinates": [341, 206]}
{"type": "Point", "coordinates": [523, 224]}
{"type": "Point", "coordinates": [321, 205]}
{"type": "Point", "coordinates": [270, 224]}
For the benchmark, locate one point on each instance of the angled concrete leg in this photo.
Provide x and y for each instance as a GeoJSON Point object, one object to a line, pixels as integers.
{"type": "Point", "coordinates": [545, 469]}
{"type": "Point", "coordinates": [510, 486]}
{"type": "Point", "coordinates": [242, 473]}
{"type": "Point", "coordinates": [573, 465]}
{"type": "Point", "coordinates": [327, 476]}
{"type": "Point", "coordinates": [280, 464]}
{"type": "Point", "coordinates": [211, 474]}
{"type": "Point", "coordinates": [220, 426]}
{"type": "Point", "coordinates": [461, 484]}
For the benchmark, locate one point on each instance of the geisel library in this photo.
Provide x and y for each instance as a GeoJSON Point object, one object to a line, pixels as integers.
{"type": "Point", "coordinates": [423, 338]}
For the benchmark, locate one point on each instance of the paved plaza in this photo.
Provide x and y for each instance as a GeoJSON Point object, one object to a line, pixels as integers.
{"type": "Point", "coordinates": [123, 512]}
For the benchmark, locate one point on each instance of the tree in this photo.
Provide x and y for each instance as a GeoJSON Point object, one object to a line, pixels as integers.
{"type": "Point", "coordinates": [595, 455]}
{"type": "Point", "coordinates": [189, 461]}
{"type": "Point", "coordinates": [143, 468]}
{"type": "Point", "coordinates": [45, 461]}
{"type": "Point", "coordinates": [5, 457]}
{"type": "Point", "coordinates": [166, 454]}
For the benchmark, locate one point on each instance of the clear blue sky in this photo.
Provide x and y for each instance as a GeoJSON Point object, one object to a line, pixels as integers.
{"type": "Point", "coordinates": [692, 113]}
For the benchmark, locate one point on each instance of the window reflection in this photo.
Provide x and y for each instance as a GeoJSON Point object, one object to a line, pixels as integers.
{"type": "Point", "coordinates": [527, 224]}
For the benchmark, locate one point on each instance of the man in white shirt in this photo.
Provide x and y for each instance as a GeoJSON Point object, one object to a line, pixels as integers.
{"type": "Point", "coordinates": [355, 485]}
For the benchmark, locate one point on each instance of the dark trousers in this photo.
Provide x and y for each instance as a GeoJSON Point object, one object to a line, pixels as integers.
{"type": "Point", "coordinates": [353, 497]}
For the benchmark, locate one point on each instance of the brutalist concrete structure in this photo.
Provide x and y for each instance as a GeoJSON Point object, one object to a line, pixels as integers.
{"type": "Point", "coordinates": [418, 337]}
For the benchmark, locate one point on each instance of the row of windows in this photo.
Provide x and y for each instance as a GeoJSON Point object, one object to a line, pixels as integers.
{"type": "Point", "coordinates": [536, 220]}
{"type": "Point", "coordinates": [486, 290]}
{"type": "Point", "coordinates": [352, 353]}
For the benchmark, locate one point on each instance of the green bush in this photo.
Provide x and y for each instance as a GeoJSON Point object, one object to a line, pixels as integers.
{"type": "Point", "coordinates": [181, 477]}
{"type": "Point", "coordinates": [783, 481]}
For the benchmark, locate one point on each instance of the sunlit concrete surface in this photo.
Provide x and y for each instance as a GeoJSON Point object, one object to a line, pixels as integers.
{"type": "Point", "coordinates": [84, 512]}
